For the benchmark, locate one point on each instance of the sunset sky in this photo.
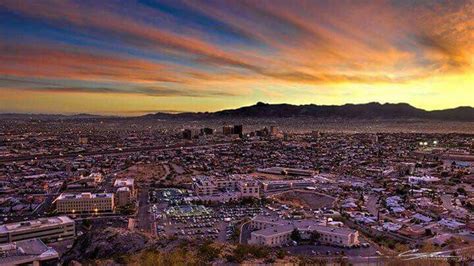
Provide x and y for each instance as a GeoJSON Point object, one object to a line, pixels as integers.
{"type": "Point", "coordinates": [135, 57]}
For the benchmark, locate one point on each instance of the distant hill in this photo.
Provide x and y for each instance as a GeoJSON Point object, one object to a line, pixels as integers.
{"type": "Point", "coordinates": [347, 111]}
{"type": "Point", "coordinates": [15, 116]}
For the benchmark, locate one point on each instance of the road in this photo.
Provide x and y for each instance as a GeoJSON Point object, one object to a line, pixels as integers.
{"type": "Point", "coordinates": [372, 204]}
{"type": "Point", "coordinates": [245, 233]}
{"type": "Point", "coordinates": [109, 152]}
{"type": "Point", "coordinates": [457, 211]}
{"type": "Point", "coordinates": [277, 193]}
{"type": "Point", "coordinates": [144, 219]}
{"type": "Point", "coordinates": [367, 256]}
{"type": "Point", "coordinates": [447, 202]}
{"type": "Point", "coordinates": [415, 255]}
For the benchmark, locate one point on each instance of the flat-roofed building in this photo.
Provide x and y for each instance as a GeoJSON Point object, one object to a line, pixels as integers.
{"type": "Point", "coordinates": [282, 185]}
{"type": "Point", "coordinates": [423, 179]}
{"type": "Point", "coordinates": [225, 188]}
{"type": "Point", "coordinates": [204, 186]}
{"type": "Point", "coordinates": [273, 236]}
{"type": "Point", "coordinates": [123, 196]}
{"type": "Point", "coordinates": [126, 182]}
{"type": "Point", "coordinates": [28, 252]}
{"type": "Point", "coordinates": [228, 183]}
{"type": "Point", "coordinates": [85, 203]}
{"type": "Point", "coordinates": [248, 188]}
{"type": "Point", "coordinates": [47, 229]}
{"type": "Point", "coordinates": [286, 171]}
{"type": "Point", "coordinates": [276, 232]}
{"type": "Point", "coordinates": [275, 185]}
{"type": "Point", "coordinates": [262, 222]}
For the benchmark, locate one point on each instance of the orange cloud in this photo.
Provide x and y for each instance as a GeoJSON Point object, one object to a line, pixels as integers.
{"type": "Point", "coordinates": [295, 46]}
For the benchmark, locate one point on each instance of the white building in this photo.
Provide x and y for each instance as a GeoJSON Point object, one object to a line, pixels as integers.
{"type": "Point", "coordinates": [204, 186]}
{"type": "Point", "coordinates": [451, 224]}
{"type": "Point", "coordinates": [422, 179]}
{"type": "Point", "coordinates": [28, 252]}
{"type": "Point", "coordinates": [392, 227]}
{"type": "Point", "coordinates": [277, 232]}
{"type": "Point", "coordinates": [85, 203]}
{"type": "Point", "coordinates": [96, 177]}
{"type": "Point", "coordinates": [126, 182]}
{"type": "Point", "coordinates": [225, 189]}
{"type": "Point", "coordinates": [47, 229]}
{"type": "Point", "coordinates": [248, 188]}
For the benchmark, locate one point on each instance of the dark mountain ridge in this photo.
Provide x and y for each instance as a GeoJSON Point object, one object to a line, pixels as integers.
{"type": "Point", "coordinates": [368, 111]}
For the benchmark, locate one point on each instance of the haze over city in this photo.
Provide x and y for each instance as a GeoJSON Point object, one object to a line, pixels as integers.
{"type": "Point", "coordinates": [130, 58]}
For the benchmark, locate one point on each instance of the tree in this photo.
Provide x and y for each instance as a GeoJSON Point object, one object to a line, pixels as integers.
{"type": "Point", "coordinates": [295, 235]}
{"type": "Point", "coordinates": [401, 247]}
{"type": "Point", "coordinates": [87, 223]}
{"type": "Point", "coordinates": [315, 236]}
{"type": "Point", "coordinates": [428, 247]}
{"type": "Point", "coordinates": [235, 233]}
{"type": "Point", "coordinates": [461, 191]}
{"type": "Point", "coordinates": [281, 253]}
{"type": "Point", "coordinates": [207, 252]}
{"type": "Point", "coordinates": [452, 259]}
{"type": "Point", "coordinates": [428, 232]}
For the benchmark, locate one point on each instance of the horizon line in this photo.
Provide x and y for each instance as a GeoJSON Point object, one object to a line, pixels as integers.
{"type": "Point", "coordinates": [139, 113]}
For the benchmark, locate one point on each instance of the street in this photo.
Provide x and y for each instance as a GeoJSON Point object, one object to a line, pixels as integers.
{"type": "Point", "coordinates": [144, 219]}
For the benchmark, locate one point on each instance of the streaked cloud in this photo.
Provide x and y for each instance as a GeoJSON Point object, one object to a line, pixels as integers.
{"type": "Point", "coordinates": [223, 53]}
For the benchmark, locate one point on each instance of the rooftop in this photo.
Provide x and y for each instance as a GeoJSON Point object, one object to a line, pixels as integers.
{"type": "Point", "coordinates": [25, 251]}
{"type": "Point", "coordinates": [124, 182]}
{"type": "Point", "coordinates": [123, 189]}
{"type": "Point", "coordinates": [42, 222]}
{"type": "Point", "coordinates": [302, 225]}
{"type": "Point", "coordinates": [86, 195]}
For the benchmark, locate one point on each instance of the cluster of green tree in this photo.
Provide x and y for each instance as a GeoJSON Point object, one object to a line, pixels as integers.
{"type": "Point", "coordinates": [235, 233]}
{"type": "Point", "coordinates": [387, 242]}
{"type": "Point", "coordinates": [243, 252]}
{"type": "Point", "coordinates": [158, 258]}
{"type": "Point", "coordinates": [313, 260]}
{"type": "Point", "coordinates": [205, 254]}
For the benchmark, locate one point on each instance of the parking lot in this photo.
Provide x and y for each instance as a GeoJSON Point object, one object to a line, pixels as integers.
{"type": "Point", "coordinates": [197, 221]}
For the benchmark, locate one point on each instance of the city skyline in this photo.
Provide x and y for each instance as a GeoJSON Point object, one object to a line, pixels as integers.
{"type": "Point", "coordinates": [129, 58]}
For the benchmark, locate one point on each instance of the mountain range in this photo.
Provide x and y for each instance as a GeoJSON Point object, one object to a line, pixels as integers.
{"type": "Point", "coordinates": [347, 111]}
{"type": "Point", "coordinates": [369, 111]}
